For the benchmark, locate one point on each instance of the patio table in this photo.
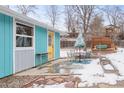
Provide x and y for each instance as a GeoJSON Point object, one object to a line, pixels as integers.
{"type": "Point", "coordinates": [79, 55]}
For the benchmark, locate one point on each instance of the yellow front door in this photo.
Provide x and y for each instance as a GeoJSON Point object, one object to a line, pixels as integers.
{"type": "Point", "coordinates": [50, 45]}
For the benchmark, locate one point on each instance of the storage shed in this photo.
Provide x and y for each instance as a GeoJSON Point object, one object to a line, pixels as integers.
{"type": "Point", "coordinates": [25, 42]}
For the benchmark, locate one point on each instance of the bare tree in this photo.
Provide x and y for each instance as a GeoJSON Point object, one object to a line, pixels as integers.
{"type": "Point", "coordinates": [115, 17]}
{"type": "Point", "coordinates": [85, 13]}
{"type": "Point", "coordinates": [113, 14]}
{"type": "Point", "coordinates": [71, 19]}
{"type": "Point", "coordinates": [68, 19]}
{"type": "Point", "coordinates": [96, 26]}
{"type": "Point", "coordinates": [26, 9]}
{"type": "Point", "coordinates": [53, 14]}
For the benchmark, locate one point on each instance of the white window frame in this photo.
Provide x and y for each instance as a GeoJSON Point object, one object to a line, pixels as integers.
{"type": "Point", "coordinates": [33, 43]}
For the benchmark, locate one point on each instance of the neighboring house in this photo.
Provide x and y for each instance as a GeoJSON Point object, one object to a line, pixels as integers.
{"type": "Point", "coordinates": [25, 42]}
{"type": "Point", "coordinates": [68, 39]}
{"type": "Point", "coordinates": [112, 31]}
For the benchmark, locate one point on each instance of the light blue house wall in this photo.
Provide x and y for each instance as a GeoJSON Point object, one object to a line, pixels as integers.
{"type": "Point", "coordinates": [6, 45]}
{"type": "Point", "coordinates": [40, 45]}
{"type": "Point", "coordinates": [57, 45]}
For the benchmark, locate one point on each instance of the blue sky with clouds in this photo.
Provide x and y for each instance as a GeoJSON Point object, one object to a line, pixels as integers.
{"type": "Point", "coordinates": [42, 16]}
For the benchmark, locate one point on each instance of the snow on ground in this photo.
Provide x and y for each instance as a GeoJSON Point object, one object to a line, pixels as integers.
{"type": "Point", "coordinates": [117, 60]}
{"type": "Point", "coordinates": [63, 52]}
{"type": "Point", "coordinates": [93, 73]}
{"type": "Point", "coordinates": [108, 67]}
{"type": "Point", "coordinates": [62, 85]}
{"type": "Point", "coordinates": [49, 86]}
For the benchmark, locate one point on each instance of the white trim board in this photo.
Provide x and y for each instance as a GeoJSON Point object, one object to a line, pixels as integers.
{"type": "Point", "coordinates": [34, 45]}
{"type": "Point", "coordinates": [14, 44]}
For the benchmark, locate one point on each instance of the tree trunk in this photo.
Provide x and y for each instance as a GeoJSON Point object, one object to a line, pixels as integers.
{"type": "Point", "coordinates": [85, 47]}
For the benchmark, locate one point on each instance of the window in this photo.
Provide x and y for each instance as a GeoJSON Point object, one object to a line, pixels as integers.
{"type": "Point", "coordinates": [23, 41]}
{"type": "Point", "coordinates": [24, 36]}
{"type": "Point", "coordinates": [24, 30]}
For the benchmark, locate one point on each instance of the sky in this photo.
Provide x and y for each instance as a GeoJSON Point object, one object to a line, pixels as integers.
{"type": "Point", "coordinates": [41, 15]}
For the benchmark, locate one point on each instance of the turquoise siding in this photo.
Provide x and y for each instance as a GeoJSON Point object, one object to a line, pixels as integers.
{"type": "Point", "coordinates": [6, 45]}
{"type": "Point", "coordinates": [40, 45]}
{"type": "Point", "coordinates": [57, 45]}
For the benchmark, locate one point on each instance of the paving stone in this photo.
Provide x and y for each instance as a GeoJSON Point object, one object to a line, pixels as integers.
{"type": "Point", "coordinates": [15, 81]}
{"type": "Point", "coordinates": [70, 84]}
{"type": "Point", "coordinates": [69, 78]}
{"type": "Point", "coordinates": [42, 78]}
{"type": "Point", "coordinates": [40, 82]}
{"type": "Point", "coordinates": [50, 82]}
{"type": "Point", "coordinates": [59, 80]}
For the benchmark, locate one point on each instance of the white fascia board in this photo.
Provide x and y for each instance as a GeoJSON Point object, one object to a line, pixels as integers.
{"type": "Point", "coordinates": [22, 17]}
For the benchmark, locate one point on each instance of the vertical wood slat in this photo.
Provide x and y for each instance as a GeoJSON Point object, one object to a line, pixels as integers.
{"type": "Point", "coordinates": [6, 46]}
{"type": "Point", "coordinates": [11, 45]}
{"type": "Point", "coordinates": [40, 44]}
{"type": "Point", "coordinates": [1, 45]}
{"type": "Point", "coordinates": [57, 45]}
